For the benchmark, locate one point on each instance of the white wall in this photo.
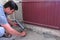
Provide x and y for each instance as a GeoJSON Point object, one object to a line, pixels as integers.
{"type": "Point", "coordinates": [3, 1]}
{"type": "Point", "coordinates": [18, 14]}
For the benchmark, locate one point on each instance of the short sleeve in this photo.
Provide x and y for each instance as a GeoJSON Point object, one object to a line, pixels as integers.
{"type": "Point", "coordinates": [3, 19]}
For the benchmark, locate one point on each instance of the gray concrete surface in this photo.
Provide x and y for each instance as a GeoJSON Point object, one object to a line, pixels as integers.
{"type": "Point", "coordinates": [34, 35]}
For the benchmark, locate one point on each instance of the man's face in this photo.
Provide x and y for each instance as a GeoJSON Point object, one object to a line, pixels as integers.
{"type": "Point", "coordinates": [9, 11]}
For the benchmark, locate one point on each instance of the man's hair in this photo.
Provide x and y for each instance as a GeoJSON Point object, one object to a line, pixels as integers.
{"type": "Point", "coordinates": [11, 4]}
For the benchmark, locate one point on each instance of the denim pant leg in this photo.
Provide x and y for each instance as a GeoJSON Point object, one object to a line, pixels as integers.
{"type": "Point", "coordinates": [2, 31]}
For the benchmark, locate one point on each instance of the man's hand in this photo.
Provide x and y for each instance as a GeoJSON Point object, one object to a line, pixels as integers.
{"type": "Point", "coordinates": [23, 33]}
{"type": "Point", "coordinates": [14, 24]}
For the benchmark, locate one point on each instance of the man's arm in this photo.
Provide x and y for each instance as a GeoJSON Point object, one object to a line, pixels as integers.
{"type": "Point", "coordinates": [4, 23]}
{"type": "Point", "coordinates": [12, 31]}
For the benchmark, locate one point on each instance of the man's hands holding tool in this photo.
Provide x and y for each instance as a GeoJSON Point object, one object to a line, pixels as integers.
{"type": "Point", "coordinates": [23, 33]}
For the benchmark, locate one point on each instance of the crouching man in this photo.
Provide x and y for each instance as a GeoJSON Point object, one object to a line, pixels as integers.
{"type": "Point", "coordinates": [7, 9]}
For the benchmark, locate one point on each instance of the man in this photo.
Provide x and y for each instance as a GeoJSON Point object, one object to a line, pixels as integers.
{"type": "Point", "coordinates": [7, 9]}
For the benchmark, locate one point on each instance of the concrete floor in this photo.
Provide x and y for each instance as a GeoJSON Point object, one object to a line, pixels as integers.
{"type": "Point", "coordinates": [34, 35]}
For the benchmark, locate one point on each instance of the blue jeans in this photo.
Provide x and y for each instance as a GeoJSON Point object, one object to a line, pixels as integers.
{"type": "Point", "coordinates": [2, 31]}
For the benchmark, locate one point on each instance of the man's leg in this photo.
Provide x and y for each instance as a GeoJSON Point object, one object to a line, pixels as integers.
{"type": "Point", "coordinates": [2, 31]}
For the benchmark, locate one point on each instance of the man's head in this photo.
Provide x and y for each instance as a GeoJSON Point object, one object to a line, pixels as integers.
{"type": "Point", "coordinates": [10, 7]}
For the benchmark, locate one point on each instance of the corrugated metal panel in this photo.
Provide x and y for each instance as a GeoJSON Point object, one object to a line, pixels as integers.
{"type": "Point", "coordinates": [45, 13]}
{"type": "Point", "coordinates": [38, 0]}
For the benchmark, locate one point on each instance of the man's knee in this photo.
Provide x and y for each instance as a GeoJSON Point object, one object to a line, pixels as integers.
{"type": "Point", "coordinates": [2, 31]}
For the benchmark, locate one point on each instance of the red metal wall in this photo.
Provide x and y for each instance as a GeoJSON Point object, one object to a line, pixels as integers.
{"type": "Point", "coordinates": [43, 13]}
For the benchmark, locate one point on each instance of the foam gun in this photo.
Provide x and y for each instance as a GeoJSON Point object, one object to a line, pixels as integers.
{"type": "Point", "coordinates": [20, 25]}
